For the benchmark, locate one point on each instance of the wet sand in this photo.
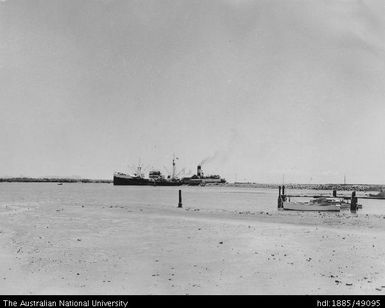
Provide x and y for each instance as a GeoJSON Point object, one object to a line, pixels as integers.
{"type": "Point", "coordinates": [142, 249]}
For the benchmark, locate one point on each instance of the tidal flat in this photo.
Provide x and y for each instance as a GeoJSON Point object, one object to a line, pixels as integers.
{"type": "Point", "coordinates": [101, 239]}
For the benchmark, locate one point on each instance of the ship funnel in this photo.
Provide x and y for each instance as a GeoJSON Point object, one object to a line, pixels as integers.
{"type": "Point", "coordinates": [199, 171]}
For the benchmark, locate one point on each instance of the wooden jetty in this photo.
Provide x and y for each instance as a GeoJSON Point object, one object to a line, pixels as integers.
{"type": "Point", "coordinates": [282, 199]}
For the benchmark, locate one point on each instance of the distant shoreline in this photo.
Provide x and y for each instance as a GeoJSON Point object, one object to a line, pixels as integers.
{"type": "Point", "coordinates": [52, 180]}
{"type": "Point", "coordinates": [330, 186]}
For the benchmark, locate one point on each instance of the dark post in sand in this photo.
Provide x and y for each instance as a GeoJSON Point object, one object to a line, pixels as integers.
{"type": "Point", "coordinates": [180, 199]}
{"type": "Point", "coordinates": [353, 203]}
{"type": "Point", "coordinates": [280, 204]}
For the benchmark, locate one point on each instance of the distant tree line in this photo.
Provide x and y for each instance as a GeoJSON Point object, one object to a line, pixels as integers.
{"type": "Point", "coordinates": [52, 180]}
{"type": "Point", "coordinates": [341, 187]}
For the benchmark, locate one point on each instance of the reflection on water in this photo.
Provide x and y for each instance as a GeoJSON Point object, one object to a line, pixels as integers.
{"type": "Point", "coordinates": [226, 198]}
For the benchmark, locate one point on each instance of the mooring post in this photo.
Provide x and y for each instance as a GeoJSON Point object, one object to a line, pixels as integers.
{"type": "Point", "coordinates": [180, 199]}
{"type": "Point", "coordinates": [283, 193]}
{"type": "Point", "coordinates": [353, 203]}
{"type": "Point", "coordinates": [334, 193]}
{"type": "Point", "coordinates": [280, 205]}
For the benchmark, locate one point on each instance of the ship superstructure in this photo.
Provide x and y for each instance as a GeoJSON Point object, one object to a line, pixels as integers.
{"type": "Point", "coordinates": [158, 179]}
{"type": "Point", "coordinates": [201, 179]}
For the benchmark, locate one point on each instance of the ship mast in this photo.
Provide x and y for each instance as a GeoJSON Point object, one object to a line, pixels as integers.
{"type": "Point", "coordinates": [173, 166]}
{"type": "Point", "coordinates": [139, 168]}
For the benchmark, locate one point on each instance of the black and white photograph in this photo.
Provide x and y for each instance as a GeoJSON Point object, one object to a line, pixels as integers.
{"type": "Point", "coordinates": [192, 147]}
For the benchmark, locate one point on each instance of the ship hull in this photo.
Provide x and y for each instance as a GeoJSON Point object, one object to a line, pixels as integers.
{"type": "Point", "coordinates": [124, 180]}
{"type": "Point", "coordinates": [121, 181]}
{"type": "Point", "coordinates": [166, 183]}
{"type": "Point", "coordinates": [202, 181]}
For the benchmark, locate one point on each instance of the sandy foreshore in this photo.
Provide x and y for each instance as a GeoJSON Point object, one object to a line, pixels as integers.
{"type": "Point", "coordinates": [143, 249]}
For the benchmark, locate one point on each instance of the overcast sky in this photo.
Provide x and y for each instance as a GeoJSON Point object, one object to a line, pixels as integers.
{"type": "Point", "coordinates": [258, 88]}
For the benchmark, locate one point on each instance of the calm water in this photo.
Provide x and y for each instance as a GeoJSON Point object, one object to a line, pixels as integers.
{"type": "Point", "coordinates": [226, 198]}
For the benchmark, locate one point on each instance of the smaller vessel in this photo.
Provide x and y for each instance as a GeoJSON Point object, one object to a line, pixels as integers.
{"type": "Point", "coordinates": [318, 204]}
{"type": "Point", "coordinates": [380, 195]}
{"type": "Point", "coordinates": [345, 204]}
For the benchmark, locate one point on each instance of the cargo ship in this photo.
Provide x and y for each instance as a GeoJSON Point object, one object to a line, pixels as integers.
{"type": "Point", "coordinates": [201, 179]}
{"type": "Point", "coordinates": [155, 178]}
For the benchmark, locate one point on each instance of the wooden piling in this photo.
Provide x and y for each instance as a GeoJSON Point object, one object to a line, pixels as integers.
{"type": "Point", "coordinates": [283, 193]}
{"type": "Point", "coordinates": [280, 203]}
{"type": "Point", "coordinates": [334, 193]}
{"type": "Point", "coordinates": [180, 199]}
{"type": "Point", "coordinates": [353, 203]}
